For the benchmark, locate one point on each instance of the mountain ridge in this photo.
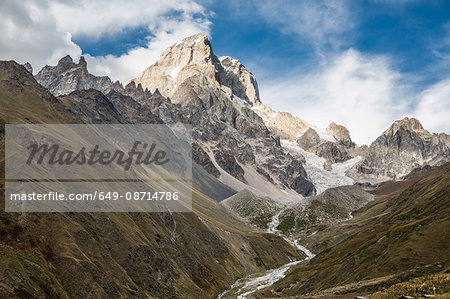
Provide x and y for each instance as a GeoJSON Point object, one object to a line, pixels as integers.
{"type": "Point", "coordinates": [189, 71]}
{"type": "Point", "coordinates": [220, 123]}
{"type": "Point", "coordinates": [247, 163]}
{"type": "Point", "coordinates": [405, 145]}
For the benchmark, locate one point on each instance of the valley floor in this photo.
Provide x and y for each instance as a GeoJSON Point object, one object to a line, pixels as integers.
{"type": "Point", "coordinates": [246, 286]}
{"type": "Point", "coordinates": [413, 268]}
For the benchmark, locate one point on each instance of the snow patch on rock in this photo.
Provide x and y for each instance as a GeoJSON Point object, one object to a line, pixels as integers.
{"type": "Point", "coordinates": [240, 101]}
{"type": "Point", "coordinates": [321, 178]}
{"type": "Point", "coordinates": [174, 73]}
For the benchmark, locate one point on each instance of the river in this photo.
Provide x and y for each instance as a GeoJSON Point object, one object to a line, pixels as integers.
{"type": "Point", "coordinates": [252, 283]}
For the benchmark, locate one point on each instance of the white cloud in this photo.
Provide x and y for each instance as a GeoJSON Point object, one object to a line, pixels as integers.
{"type": "Point", "coordinates": [94, 18]}
{"type": "Point", "coordinates": [363, 93]}
{"type": "Point", "coordinates": [40, 31]}
{"type": "Point", "coordinates": [135, 61]}
{"type": "Point", "coordinates": [321, 22]}
{"type": "Point", "coordinates": [28, 32]}
{"type": "Point", "coordinates": [433, 109]}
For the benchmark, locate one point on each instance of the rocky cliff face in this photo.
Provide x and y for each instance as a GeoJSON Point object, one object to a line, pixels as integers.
{"type": "Point", "coordinates": [216, 96]}
{"type": "Point", "coordinates": [190, 84]}
{"type": "Point", "coordinates": [339, 150]}
{"type": "Point", "coordinates": [401, 148]}
{"type": "Point", "coordinates": [282, 124]}
{"type": "Point", "coordinates": [241, 82]}
{"type": "Point", "coordinates": [68, 76]}
{"type": "Point", "coordinates": [340, 134]}
{"type": "Point", "coordinates": [333, 143]}
{"type": "Point", "coordinates": [190, 69]}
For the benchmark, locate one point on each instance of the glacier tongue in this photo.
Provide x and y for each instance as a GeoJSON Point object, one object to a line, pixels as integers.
{"type": "Point", "coordinates": [321, 178]}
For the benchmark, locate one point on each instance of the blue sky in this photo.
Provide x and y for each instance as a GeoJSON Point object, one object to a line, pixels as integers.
{"type": "Point", "coordinates": [351, 62]}
{"type": "Point", "coordinates": [409, 31]}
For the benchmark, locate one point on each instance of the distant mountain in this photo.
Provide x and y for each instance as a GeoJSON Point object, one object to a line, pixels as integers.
{"type": "Point", "coordinates": [251, 165]}
{"type": "Point", "coordinates": [220, 98]}
{"type": "Point", "coordinates": [405, 145]}
{"type": "Point", "coordinates": [68, 76]}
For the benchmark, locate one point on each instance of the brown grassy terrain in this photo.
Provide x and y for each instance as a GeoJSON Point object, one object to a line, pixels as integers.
{"type": "Point", "coordinates": [118, 255]}
{"type": "Point", "coordinates": [404, 233]}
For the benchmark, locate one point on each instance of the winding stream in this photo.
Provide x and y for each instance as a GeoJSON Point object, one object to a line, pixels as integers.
{"type": "Point", "coordinates": [252, 283]}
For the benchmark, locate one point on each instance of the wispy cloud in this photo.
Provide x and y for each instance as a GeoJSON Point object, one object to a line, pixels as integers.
{"type": "Point", "coordinates": [441, 48]}
{"type": "Point", "coordinates": [323, 23]}
{"type": "Point", "coordinates": [94, 18]}
{"type": "Point", "coordinates": [433, 109]}
{"type": "Point", "coordinates": [364, 93]}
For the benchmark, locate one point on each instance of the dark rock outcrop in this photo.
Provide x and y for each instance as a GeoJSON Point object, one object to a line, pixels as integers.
{"type": "Point", "coordinates": [228, 163]}
{"type": "Point", "coordinates": [68, 76]}
{"type": "Point", "coordinates": [200, 157]}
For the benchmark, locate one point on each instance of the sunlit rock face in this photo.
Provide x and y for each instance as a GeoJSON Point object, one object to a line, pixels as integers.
{"type": "Point", "coordinates": [190, 69]}
{"type": "Point", "coordinates": [189, 84]}
{"type": "Point", "coordinates": [218, 96]}
{"type": "Point", "coordinates": [405, 145]}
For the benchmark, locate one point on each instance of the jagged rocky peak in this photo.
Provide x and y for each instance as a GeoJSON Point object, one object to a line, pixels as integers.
{"type": "Point", "coordinates": [405, 145]}
{"type": "Point", "coordinates": [341, 134]}
{"type": "Point", "coordinates": [241, 81]}
{"type": "Point", "coordinates": [408, 124]}
{"type": "Point", "coordinates": [309, 139]}
{"type": "Point", "coordinates": [180, 67]}
{"type": "Point", "coordinates": [28, 67]}
{"type": "Point", "coordinates": [215, 96]}
{"type": "Point", "coordinates": [68, 76]}
{"type": "Point", "coordinates": [189, 69]}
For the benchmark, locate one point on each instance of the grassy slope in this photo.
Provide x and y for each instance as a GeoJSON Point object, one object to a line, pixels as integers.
{"type": "Point", "coordinates": [110, 255]}
{"type": "Point", "coordinates": [313, 214]}
{"type": "Point", "coordinates": [402, 233]}
{"type": "Point", "coordinates": [255, 210]}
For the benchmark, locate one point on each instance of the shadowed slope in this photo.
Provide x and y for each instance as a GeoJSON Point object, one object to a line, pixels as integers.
{"type": "Point", "coordinates": [111, 255]}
